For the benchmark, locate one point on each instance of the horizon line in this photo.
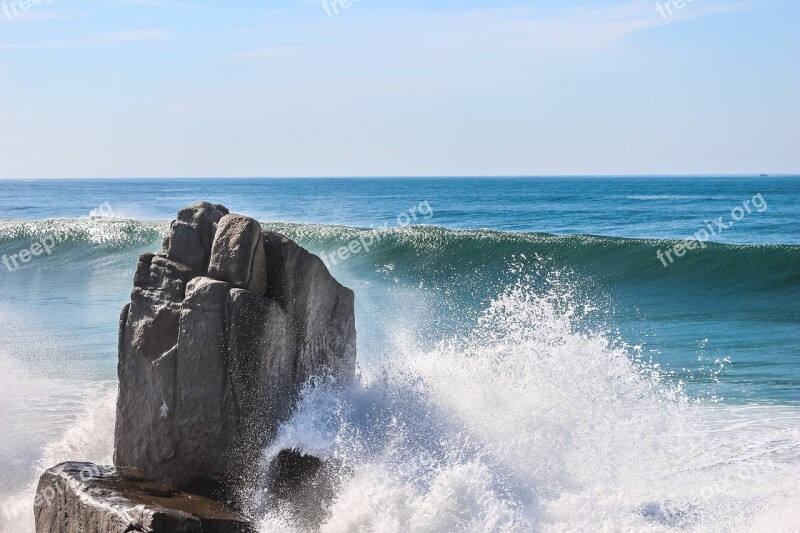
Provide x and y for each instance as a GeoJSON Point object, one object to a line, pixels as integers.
{"type": "Point", "coordinates": [419, 176]}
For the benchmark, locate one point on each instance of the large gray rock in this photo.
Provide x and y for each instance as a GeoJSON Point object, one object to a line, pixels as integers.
{"type": "Point", "coordinates": [223, 329]}
{"type": "Point", "coordinates": [82, 498]}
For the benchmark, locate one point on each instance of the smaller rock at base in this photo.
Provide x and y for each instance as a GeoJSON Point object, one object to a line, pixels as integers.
{"type": "Point", "coordinates": [78, 497]}
{"type": "Point", "coordinates": [301, 485]}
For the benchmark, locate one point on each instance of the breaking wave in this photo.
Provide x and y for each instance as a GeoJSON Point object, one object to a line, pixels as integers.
{"type": "Point", "coordinates": [452, 252]}
{"type": "Point", "coordinates": [529, 424]}
{"type": "Point", "coordinates": [537, 418]}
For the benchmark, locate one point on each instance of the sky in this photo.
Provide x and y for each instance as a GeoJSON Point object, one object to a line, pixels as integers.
{"type": "Point", "coordinates": [179, 88]}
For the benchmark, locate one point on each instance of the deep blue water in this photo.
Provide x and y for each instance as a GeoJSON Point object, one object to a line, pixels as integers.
{"type": "Point", "coordinates": [654, 207]}
{"type": "Point", "coordinates": [723, 318]}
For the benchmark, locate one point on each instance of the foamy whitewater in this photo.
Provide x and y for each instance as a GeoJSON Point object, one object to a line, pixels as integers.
{"type": "Point", "coordinates": [528, 425]}
{"type": "Point", "coordinates": [507, 381]}
{"type": "Point", "coordinates": [525, 424]}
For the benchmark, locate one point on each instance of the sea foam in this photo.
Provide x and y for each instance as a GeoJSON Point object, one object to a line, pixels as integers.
{"type": "Point", "coordinates": [529, 422]}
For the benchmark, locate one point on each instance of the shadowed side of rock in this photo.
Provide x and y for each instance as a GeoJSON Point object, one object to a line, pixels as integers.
{"type": "Point", "coordinates": [321, 314]}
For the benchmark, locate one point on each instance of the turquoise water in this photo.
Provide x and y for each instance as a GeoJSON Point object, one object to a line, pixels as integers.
{"type": "Point", "coordinates": [572, 264]}
{"type": "Point", "coordinates": [723, 319]}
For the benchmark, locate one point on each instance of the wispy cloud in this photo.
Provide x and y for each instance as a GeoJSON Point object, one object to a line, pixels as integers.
{"type": "Point", "coordinates": [525, 27]}
{"type": "Point", "coordinates": [100, 39]}
{"type": "Point", "coordinates": [172, 4]}
{"type": "Point", "coordinates": [45, 15]}
{"type": "Point", "coordinates": [268, 53]}
{"type": "Point", "coordinates": [520, 30]}
{"type": "Point", "coordinates": [593, 26]}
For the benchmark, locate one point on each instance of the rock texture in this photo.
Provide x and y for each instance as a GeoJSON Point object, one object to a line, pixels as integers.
{"type": "Point", "coordinates": [82, 498]}
{"type": "Point", "coordinates": [223, 329]}
{"type": "Point", "coordinates": [238, 255]}
{"type": "Point", "coordinates": [192, 234]}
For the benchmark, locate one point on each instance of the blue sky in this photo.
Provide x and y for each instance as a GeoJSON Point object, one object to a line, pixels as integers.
{"type": "Point", "coordinates": [148, 88]}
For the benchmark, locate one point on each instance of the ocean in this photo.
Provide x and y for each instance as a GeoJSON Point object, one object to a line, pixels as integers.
{"type": "Point", "coordinates": [535, 354]}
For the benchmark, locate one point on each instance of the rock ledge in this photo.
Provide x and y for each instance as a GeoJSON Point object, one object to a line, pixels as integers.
{"type": "Point", "coordinates": [82, 497]}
